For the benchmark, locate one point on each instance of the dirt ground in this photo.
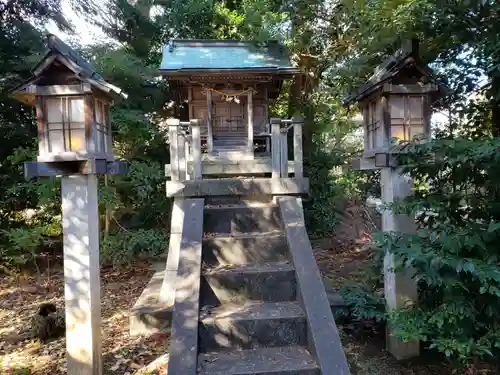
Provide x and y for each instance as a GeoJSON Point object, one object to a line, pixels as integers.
{"type": "Point", "coordinates": [122, 354]}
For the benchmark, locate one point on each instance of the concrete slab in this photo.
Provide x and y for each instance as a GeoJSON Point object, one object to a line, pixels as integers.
{"type": "Point", "coordinates": [249, 201]}
{"type": "Point", "coordinates": [256, 324]}
{"type": "Point", "coordinates": [242, 219]}
{"type": "Point", "coordinates": [148, 315]}
{"type": "Point", "coordinates": [239, 284]}
{"type": "Point", "coordinates": [237, 186]}
{"type": "Point", "coordinates": [245, 249]}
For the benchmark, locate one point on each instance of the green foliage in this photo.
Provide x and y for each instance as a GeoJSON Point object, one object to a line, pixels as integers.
{"type": "Point", "coordinates": [455, 254]}
{"type": "Point", "coordinates": [124, 247]}
{"type": "Point", "coordinates": [362, 303]}
{"type": "Point", "coordinates": [23, 244]}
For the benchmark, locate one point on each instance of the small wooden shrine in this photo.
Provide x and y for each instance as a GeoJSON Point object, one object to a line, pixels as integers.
{"type": "Point", "coordinates": [227, 85]}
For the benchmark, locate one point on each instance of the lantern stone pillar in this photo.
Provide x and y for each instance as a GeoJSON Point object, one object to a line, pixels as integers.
{"type": "Point", "coordinates": [82, 295]}
{"type": "Point", "coordinates": [399, 287]}
{"type": "Point", "coordinates": [396, 107]}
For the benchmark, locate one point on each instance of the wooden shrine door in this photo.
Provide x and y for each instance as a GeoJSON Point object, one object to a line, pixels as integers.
{"type": "Point", "coordinates": [230, 118]}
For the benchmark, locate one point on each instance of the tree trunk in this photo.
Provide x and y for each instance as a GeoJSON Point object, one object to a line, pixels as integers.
{"type": "Point", "coordinates": [495, 105]}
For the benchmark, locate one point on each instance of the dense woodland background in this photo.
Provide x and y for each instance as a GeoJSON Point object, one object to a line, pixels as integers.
{"type": "Point", "coordinates": [337, 43]}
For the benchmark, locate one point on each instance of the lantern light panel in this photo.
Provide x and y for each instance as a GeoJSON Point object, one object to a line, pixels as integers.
{"type": "Point", "coordinates": [72, 104]}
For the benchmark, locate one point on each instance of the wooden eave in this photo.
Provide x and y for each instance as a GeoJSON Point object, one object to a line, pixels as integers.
{"type": "Point", "coordinates": [60, 53]}
{"type": "Point", "coordinates": [26, 94]}
{"type": "Point", "coordinates": [237, 74]}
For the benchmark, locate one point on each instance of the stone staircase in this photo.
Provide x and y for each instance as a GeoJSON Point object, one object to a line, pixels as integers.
{"type": "Point", "coordinates": [232, 146]}
{"type": "Point", "coordinates": [250, 319]}
{"type": "Point", "coordinates": [247, 294]}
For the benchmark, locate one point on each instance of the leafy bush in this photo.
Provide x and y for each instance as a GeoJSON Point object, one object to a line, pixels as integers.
{"type": "Point", "coordinates": [331, 187]}
{"type": "Point", "coordinates": [24, 244]}
{"type": "Point", "coordinates": [455, 253]}
{"type": "Point", "coordinates": [123, 247]}
{"type": "Point", "coordinates": [362, 303]}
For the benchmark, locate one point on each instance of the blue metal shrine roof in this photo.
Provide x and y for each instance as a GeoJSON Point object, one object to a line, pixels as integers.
{"type": "Point", "coordinates": [207, 55]}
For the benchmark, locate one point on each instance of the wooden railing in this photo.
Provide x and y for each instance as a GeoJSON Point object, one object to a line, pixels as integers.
{"type": "Point", "coordinates": [185, 148]}
{"type": "Point", "coordinates": [279, 147]}
{"type": "Point", "coordinates": [185, 145]}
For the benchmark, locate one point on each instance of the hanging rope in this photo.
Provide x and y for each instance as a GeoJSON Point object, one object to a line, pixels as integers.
{"type": "Point", "coordinates": [233, 96]}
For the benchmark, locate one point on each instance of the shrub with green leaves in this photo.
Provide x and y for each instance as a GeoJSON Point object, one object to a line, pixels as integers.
{"type": "Point", "coordinates": [123, 247]}
{"type": "Point", "coordinates": [24, 244]}
{"type": "Point", "coordinates": [456, 253]}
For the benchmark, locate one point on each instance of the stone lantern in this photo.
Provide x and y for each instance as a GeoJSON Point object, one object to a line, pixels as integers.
{"type": "Point", "coordinates": [72, 104]}
{"type": "Point", "coordinates": [396, 106]}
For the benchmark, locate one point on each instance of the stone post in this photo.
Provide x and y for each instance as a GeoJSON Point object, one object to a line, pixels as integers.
{"type": "Point", "coordinates": [297, 147]}
{"type": "Point", "coordinates": [275, 147]}
{"type": "Point", "coordinates": [173, 133]}
{"type": "Point", "coordinates": [196, 147]}
{"type": "Point", "coordinates": [81, 274]}
{"type": "Point", "coordinates": [250, 122]}
{"type": "Point", "coordinates": [399, 287]}
{"type": "Point", "coordinates": [284, 152]}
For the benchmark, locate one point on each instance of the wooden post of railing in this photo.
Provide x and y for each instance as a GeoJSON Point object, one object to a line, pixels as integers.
{"type": "Point", "coordinates": [284, 150]}
{"type": "Point", "coordinates": [173, 133]}
{"type": "Point", "coordinates": [181, 144]}
{"type": "Point", "coordinates": [196, 147]}
{"type": "Point", "coordinates": [188, 155]}
{"type": "Point", "coordinates": [250, 122]}
{"type": "Point", "coordinates": [298, 167]}
{"type": "Point", "coordinates": [210, 144]}
{"type": "Point", "coordinates": [275, 146]}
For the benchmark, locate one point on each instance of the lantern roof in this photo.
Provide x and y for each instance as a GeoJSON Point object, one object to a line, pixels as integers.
{"type": "Point", "coordinates": [404, 58]}
{"type": "Point", "coordinates": [228, 57]}
{"type": "Point", "coordinates": [60, 53]}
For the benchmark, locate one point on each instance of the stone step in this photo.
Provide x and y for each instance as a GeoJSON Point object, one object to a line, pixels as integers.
{"type": "Point", "coordinates": [231, 141]}
{"type": "Point", "coordinates": [232, 154]}
{"type": "Point", "coordinates": [290, 360]}
{"type": "Point", "coordinates": [240, 201]}
{"type": "Point", "coordinates": [255, 324]}
{"type": "Point", "coordinates": [271, 282]}
{"type": "Point", "coordinates": [242, 219]}
{"type": "Point", "coordinates": [230, 146]}
{"type": "Point", "coordinates": [245, 249]}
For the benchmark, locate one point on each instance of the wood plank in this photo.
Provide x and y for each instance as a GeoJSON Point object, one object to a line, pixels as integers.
{"type": "Point", "coordinates": [323, 336]}
{"type": "Point", "coordinates": [409, 89]}
{"type": "Point", "coordinates": [275, 146]}
{"type": "Point", "coordinates": [386, 121]}
{"type": "Point", "coordinates": [181, 154]}
{"type": "Point", "coordinates": [195, 128]}
{"type": "Point", "coordinates": [237, 186]}
{"type": "Point", "coordinates": [42, 126]}
{"type": "Point", "coordinates": [173, 126]}
{"type": "Point", "coordinates": [297, 147]}
{"type": "Point", "coordinates": [284, 155]}
{"type": "Point", "coordinates": [250, 121]}
{"type": "Point", "coordinates": [210, 138]}
{"type": "Point", "coordinates": [238, 167]}
{"type": "Point", "coordinates": [63, 89]}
